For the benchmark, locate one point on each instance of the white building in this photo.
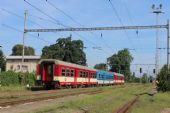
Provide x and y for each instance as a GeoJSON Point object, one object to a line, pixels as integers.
{"type": "Point", "coordinates": [14, 63]}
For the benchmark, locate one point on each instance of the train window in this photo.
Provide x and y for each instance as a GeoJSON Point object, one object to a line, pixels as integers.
{"type": "Point", "coordinates": [94, 75]}
{"type": "Point", "coordinates": [72, 73]}
{"type": "Point", "coordinates": [49, 69]}
{"type": "Point", "coordinates": [87, 73]}
{"type": "Point", "coordinates": [81, 74]}
{"type": "Point", "coordinates": [68, 72]}
{"type": "Point", "coordinates": [63, 72]}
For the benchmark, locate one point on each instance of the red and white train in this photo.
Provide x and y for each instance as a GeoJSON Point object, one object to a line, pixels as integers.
{"type": "Point", "coordinates": [55, 73]}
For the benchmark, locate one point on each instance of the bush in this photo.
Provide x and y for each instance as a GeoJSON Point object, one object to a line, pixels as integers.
{"type": "Point", "coordinates": [13, 78]}
{"type": "Point", "coordinates": [163, 79]}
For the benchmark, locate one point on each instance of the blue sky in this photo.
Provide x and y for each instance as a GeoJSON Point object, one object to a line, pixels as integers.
{"type": "Point", "coordinates": [91, 13]}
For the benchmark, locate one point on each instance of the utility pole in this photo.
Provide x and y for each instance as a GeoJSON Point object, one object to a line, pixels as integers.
{"type": "Point", "coordinates": [24, 35]}
{"type": "Point", "coordinates": [168, 44]}
{"type": "Point", "coordinates": [157, 11]}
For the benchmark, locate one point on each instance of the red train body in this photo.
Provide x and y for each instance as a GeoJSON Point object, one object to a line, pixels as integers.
{"type": "Point", "coordinates": [55, 73]}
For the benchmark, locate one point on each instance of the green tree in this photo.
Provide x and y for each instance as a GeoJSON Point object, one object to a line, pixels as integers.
{"type": "Point", "coordinates": [101, 66]}
{"type": "Point", "coordinates": [2, 61]}
{"type": "Point", "coordinates": [66, 49]}
{"type": "Point", "coordinates": [17, 50]}
{"type": "Point", "coordinates": [163, 79]}
{"type": "Point", "coordinates": [120, 63]}
{"type": "Point", "coordinates": [144, 78]}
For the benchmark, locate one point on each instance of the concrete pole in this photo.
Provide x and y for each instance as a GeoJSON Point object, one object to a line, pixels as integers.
{"type": "Point", "coordinates": [24, 35]}
{"type": "Point", "coordinates": [168, 44]}
{"type": "Point", "coordinates": [157, 46]}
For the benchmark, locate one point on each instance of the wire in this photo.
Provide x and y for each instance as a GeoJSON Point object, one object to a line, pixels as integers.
{"type": "Point", "coordinates": [51, 4]}
{"type": "Point", "coordinates": [12, 13]}
{"type": "Point", "coordinates": [57, 22]}
{"type": "Point", "coordinates": [10, 27]}
{"type": "Point", "coordinates": [117, 15]}
{"type": "Point", "coordinates": [71, 18]}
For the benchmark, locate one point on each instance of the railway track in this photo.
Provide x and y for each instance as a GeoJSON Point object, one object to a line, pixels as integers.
{"type": "Point", "coordinates": [23, 101]}
{"type": "Point", "coordinates": [127, 107]}
{"type": "Point", "coordinates": [45, 92]}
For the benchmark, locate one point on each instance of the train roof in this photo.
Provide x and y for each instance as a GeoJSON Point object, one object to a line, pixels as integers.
{"type": "Point", "coordinates": [118, 74]}
{"type": "Point", "coordinates": [66, 63]}
{"type": "Point", "coordinates": [105, 71]}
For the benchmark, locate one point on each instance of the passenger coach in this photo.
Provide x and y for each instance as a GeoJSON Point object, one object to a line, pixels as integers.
{"type": "Point", "coordinates": [55, 73]}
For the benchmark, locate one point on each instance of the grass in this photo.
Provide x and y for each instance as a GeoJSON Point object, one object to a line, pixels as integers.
{"type": "Point", "coordinates": [156, 104]}
{"type": "Point", "coordinates": [107, 102]}
{"type": "Point", "coordinates": [12, 88]}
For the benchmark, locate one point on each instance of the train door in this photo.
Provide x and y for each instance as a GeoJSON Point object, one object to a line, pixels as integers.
{"type": "Point", "coordinates": [47, 71]}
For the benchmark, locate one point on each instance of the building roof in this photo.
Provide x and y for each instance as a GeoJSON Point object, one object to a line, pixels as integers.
{"type": "Point", "coordinates": [20, 57]}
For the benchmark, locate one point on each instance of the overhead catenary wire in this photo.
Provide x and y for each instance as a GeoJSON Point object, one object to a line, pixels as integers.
{"type": "Point", "coordinates": [58, 22]}
{"type": "Point", "coordinates": [52, 18]}
{"type": "Point", "coordinates": [12, 13]}
{"type": "Point", "coordinates": [120, 20]}
{"type": "Point", "coordinates": [75, 21]}
{"type": "Point", "coordinates": [34, 36]}
{"type": "Point", "coordinates": [21, 17]}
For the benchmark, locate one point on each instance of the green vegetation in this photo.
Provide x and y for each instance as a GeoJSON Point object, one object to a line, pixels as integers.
{"type": "Point", "coordinates": [101, 66]}
{"type": "Point", "coordinates": [120, 63]}
{"type": "Point", "coordinates": [66, 49]}
{"type": "Point", "coordinates": [163, 79]}
{"type": "Point", "coordinates": [144, 78]}
{"type": "Point", "coordinates": [149, 104]}
{"type": "Point", "coordinates": [11, 78]}
{"type": "Point", "coordinates": [111, 99]}
{"type": "Point", "coordinates": [2, 61]}
{"type": "Point", "coordinates": [17, 50]}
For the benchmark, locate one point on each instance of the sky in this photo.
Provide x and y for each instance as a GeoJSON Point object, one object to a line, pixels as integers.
{"type": "Point", "coordinates": [88, 13]}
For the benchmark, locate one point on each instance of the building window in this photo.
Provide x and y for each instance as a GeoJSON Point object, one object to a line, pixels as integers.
{"type": "Point", "coordinates": [25, 68]}
{"type": "Point", "coordinates": [18, 67]}
{"type": "Point", "coordinates": [11, 67]}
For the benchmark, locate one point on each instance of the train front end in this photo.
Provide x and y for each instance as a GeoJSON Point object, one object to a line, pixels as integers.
{"type": "Point", "coordinates": [46, 70]}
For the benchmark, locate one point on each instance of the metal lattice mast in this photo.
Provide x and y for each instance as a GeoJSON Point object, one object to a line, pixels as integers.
{"type": "Point", "coordinates": [157, 11]}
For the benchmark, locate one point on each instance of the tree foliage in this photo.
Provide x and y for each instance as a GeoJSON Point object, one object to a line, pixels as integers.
{"type": "Point", "coordinates": [120, 63]}
{"type": "Point", "coordinates": [101, 66]}
{"type": "Point", "coordinates": [66, 49]}
{"type": "Point", "coordinates": [163, 79]}
{"type": "Point", "coordinates": [2, 61]}
{"type": "Point", "coordinates": [17, 50]}
{"type": "Point", "coordinates": [144, 78]}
